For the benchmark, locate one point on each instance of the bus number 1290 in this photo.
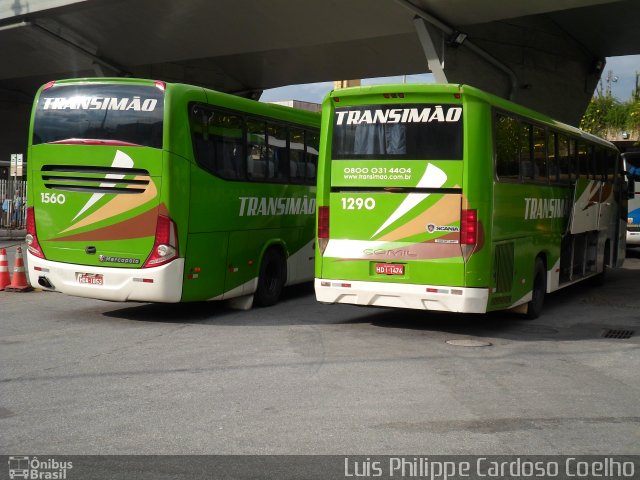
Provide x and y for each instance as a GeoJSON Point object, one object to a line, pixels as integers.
{"type": "Point", "coordinates": [358, 203]}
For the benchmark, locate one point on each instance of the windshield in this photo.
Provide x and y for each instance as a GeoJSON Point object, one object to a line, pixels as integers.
{"type": "Point", "coordinates": [400, 132]}
{"type": "Point", "coordinates": [121, 113]}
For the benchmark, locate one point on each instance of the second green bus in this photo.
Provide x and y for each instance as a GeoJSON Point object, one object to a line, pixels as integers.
{"type": "Point", "coordinates": [444, 197]}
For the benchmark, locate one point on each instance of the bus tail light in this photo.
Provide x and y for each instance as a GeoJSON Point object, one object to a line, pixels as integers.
{"type": "Point", "coordinates": [31, 238]}
{"type": "Point", "coordinates": [165, 247]}
{"type": "Point", "coordinates": [323, 228]}
{"type": "Point", "coordinates": [469, 227]}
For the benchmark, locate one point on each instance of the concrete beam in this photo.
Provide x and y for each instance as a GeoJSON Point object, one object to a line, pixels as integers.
{"type": "Point", "coordinates": [433, 59]}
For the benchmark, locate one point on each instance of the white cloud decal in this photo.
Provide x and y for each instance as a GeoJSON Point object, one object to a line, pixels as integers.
{"type": "Point", "coordinates": [121, 160]}
{"type": "Point", "coordinates": [433, 178]}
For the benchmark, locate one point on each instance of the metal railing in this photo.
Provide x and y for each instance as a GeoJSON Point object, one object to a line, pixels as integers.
{"type": "Point", "coordinates": [13, 205]}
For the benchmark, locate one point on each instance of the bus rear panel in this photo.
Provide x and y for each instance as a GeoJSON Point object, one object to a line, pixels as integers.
{"type": "Point", "coordinates": [395, 226]}
{"type": "Point", "coordinates": [96, 202]}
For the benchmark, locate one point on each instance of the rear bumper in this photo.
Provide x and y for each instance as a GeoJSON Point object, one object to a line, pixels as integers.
{"type": "Point", "coordinates": [158, 284]}
{"type": "Point", "coordinates": [445, 299]}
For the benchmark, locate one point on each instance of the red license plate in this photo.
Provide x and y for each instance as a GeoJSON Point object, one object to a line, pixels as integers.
{"type": "Point", "coordinates": [90, 278]}
{"type": "Point", "coordinates": [389, 269]}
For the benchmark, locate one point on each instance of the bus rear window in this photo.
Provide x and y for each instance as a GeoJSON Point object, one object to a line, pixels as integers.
{"type": "Point", "coordinates": [398, 132]}
{"type": "Point", "coordinates": [122, 113]}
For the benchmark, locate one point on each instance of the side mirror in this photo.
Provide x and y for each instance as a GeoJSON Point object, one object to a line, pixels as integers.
{"type": "Point", "coordinates": [631, 188]}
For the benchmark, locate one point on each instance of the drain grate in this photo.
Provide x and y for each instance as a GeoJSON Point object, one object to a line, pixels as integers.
{"type": "Point", "coordinates": [468, 342]}
{"type": "Point", "coordinates": [619, 334]}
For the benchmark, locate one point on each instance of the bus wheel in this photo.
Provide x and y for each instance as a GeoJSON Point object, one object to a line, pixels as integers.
{"type": "Point", "coordinates": [272, 277]}
{"type": "Point", "coordinates": [534, 307]}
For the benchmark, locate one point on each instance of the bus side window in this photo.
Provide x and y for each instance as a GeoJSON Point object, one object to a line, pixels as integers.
{"type": "Point", "coordinates": [552, 157]}
{"type": "Point", "coordinates": [598, 163]}
{"type": "Point", "coordinates": [539, 143]}
{"type": "Point", "coordinates": [573, 157]}
{"type": "Point", "coordinates": [257, 164]}
{"type": "Point", "coordinates": [297, 167]}
{"type": "Point", "coordinates": [506, 147]}
{"type": "Point", "coordinates": [583, 160]}
{"type": "Point", "coordinates": [602, 164]}
{"type": "Point", "coordinates": [564, 159]}
{"type": "Point", "coordinates": [527, 171]}
{"type": "Point", "coordinates": [312, 147]}
{"type": "Point", "coordinates": [611, 162]}
{"type": "Point", "coordinates": [226, 133]}
{"type": "Point", "coordinates": [278, 157]}
{"type": "Point", "coordinates": [591, 159]}
{"type": "Point", "coordinates": [218, 142]}
{"type": "Point", "coordinates": [200, 138]}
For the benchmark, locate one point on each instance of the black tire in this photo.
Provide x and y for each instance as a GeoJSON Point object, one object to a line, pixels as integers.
{"type": "Point", "coordinates": [534, 307]}
{"type": "Point", "coordinates": [273, 275]}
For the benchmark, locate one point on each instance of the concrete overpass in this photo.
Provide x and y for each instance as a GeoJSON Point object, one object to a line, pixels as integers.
{"type": "Point", "coordinates": [546, 54]}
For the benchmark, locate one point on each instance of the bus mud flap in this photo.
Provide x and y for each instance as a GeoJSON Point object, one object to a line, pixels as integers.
{"type": "Point", "coordinates": [241, 303]}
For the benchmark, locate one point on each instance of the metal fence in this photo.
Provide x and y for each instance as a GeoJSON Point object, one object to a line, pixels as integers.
{"type": "Point", "coordinates": [13, 205]}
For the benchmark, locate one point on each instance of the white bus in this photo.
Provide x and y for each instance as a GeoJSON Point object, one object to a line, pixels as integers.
{"type": "Point", "coordinates": [632, 167]}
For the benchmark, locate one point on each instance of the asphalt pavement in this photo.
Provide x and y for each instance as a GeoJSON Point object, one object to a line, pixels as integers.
{"type": "Point", "coordinates": [82, 376]}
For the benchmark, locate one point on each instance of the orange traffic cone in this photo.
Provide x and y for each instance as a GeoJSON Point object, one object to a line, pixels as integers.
{"type": "Point", "coordinates": [19, 281]}
{"type": "Point", "coordinates": [4, 269]}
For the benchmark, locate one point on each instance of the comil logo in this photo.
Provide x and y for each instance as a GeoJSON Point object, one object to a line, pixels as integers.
{"type": "Point", "coordinates": [35, 469]}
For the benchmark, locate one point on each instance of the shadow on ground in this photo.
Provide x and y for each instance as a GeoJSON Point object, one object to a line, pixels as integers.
{"type": "Point", "coordinates": [559, 321]}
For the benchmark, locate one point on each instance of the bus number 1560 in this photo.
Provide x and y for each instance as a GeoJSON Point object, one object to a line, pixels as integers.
{"type": "Point", "coordinates": [53, 198]}
{"type": "Point", "coordinates": [358, 203]}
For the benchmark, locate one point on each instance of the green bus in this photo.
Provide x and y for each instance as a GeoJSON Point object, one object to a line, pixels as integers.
{"type": "Point", "coordinates": [444, 197]}
{"type": "Point", "coordinates": [157, 192]}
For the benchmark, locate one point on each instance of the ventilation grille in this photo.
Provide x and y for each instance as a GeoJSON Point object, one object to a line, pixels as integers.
{"type": "Point", "coordinates": [619, 334]}
{"type": "Point", "coordinates": [503, 267]}
{"type": "Point", "coordinates": [89, 179]}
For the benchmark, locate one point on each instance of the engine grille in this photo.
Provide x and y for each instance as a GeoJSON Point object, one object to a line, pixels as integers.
{"type": "Point", "coordinates": [89, 179]}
